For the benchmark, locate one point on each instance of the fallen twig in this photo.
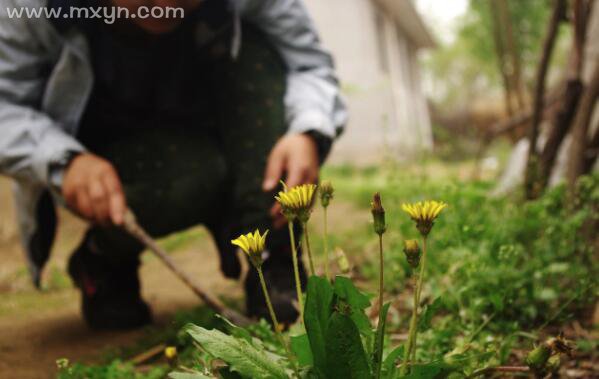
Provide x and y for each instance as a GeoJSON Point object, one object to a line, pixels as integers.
{"type": "Point", "coordinates": [147, 355]}
{"type": "Point", "coordinates": [488, 370]}
{"type": "Point", "coordinates": [132, 227]}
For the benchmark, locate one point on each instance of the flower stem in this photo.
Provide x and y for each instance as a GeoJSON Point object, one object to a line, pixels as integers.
{"type": "Point", "coordinates": [326, 245]}
{"type": "Point", "coordinates": [380, 272]}
{"type": "Point", "coordinates": [423, 262]}
{"type": "Point", "coordinates": [413, 320]}
{"type": "Point", "coordinates": [275, 322]}
{"type": "Point", "coordinates": [271, 310]}
{"type": "Point", "coordinates": [298, 285]}
{"type": "Point", "coordinates": [415, 336]}
{"type": "Point", "coordinates": [410, 352]}
{"type": "Point", "coordinates": [418, 293]}
{"type": "Point", "coordinates": [308, 249]}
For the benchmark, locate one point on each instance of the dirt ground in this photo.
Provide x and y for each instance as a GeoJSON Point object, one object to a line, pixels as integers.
{"type": "Point", "coordinates": [37, 328]}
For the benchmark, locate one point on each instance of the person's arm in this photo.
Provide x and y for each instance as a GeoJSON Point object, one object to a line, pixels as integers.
{"type": "Point", "coordinates": [315, 111]}
{"type": "Point", "coordinates": [312, 101]}
{"type": "Point", "coordinates": [30, 140]}
{"type": "Point", "coordinates": [33, 147]}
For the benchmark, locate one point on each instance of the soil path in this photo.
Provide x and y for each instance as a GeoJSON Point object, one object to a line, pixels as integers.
{"type": "Point", "coordinates": [36, 328]}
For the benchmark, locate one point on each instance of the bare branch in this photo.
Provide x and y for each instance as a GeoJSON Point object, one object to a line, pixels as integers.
{"type": "Point", "coordinates": [558, 14]}
{"type": "Point", "coordinates": [131, 226]}
{"type": "Point", "coordinates": [579, 153]}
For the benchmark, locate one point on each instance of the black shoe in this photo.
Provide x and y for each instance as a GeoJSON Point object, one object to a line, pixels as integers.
{"type": "Point", "coordinates": [110, 294]}
{"type": "Point", "coordinates": [280, 281]}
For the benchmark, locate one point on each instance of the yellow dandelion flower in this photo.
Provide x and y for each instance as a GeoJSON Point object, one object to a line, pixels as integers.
{"type": "Point", "coordinates": [253, 245]}
{"type": "Point", "coordinates": [170, 352]}
{"type": "Point", "coordinates": [424, 213]}
{"type": "Point", "coordinates": [297, 201]}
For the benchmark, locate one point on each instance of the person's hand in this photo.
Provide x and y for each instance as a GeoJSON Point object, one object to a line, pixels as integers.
{"type": "Point", "coordinates": [92, 188]}
{"type": "Point", "coordinates": [297, 156]}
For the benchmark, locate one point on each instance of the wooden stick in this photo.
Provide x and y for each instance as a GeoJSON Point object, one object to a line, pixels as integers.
{"type": "Point", "coordinates": [132, 227]}
{"type": "Point", "coordinates": [487, 370]}
{"type": "Point", "coordinates": [147, 355]}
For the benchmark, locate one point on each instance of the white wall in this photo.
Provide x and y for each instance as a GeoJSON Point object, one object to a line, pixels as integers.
{"type": "Point", "coordinates": [384, 106]}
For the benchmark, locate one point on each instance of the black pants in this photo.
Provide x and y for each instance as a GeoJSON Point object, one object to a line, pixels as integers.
{"type": "Point", "coordinates": [210, 173]}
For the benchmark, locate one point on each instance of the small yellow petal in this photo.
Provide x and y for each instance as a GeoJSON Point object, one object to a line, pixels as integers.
{"type": "Point", "coordinates": [424, 211]}
{"type": "Point", "coordinates": [251, 243]}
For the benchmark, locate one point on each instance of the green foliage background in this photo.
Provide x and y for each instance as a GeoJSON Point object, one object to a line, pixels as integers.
{"type": "Point", "coordinates": [501, 271]}
{"type": "Point", "coordinates": [467, 67]}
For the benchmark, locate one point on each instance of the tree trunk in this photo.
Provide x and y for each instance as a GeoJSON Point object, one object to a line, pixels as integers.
{"type": "Point", "coordinates": [574, 87]}
{"type": "Point", "coordinates": [593, 151]}
{"type": "Point", "coordinates": [581, 150]}
{"type": "Point", "coordinates": [561, 126]}
{"type": "Point", "coordinates": [532, 171]}
{"type": "Point", "coordinates": [514, 71]}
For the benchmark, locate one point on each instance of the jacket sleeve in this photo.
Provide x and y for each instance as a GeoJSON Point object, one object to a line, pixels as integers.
{"type": "Point", "coordinates": [313, 101]}
{"type": "Point", "coordinates": [29, 139]}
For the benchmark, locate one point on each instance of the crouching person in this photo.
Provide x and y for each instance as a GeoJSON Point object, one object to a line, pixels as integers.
{"type": "Point", "coordinates": [186, 120]}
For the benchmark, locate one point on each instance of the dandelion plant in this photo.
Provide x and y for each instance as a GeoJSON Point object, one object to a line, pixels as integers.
{"type": "Point", "coordinates": [378, 215]}
{"type": "Point", "coordinates": [413, 255]}
{"type": "Point", "coordinates": [424, 215]}
{"type": "Point", "coordinates": [326, 194]}
{"type": "Point", "coordinates": [296, 205]}
{"type": "Point", "coordinates": [253, 245]}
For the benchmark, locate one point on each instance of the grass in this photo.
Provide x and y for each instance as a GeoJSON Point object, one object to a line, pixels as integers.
{"type": "Point", "coordinates": [116, 362]}
{"type": "Point", "coordinates": [31, 302]}
{"type": "Point", "coordinates": [502, 273]}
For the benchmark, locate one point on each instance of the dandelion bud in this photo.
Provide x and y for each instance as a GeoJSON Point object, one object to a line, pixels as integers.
{"type": "Point", "coordinates": [545, 357]}
{"type": "Point", "coordinates": [412, 251]}
{"type": "Point", "coordinates": [378, 214]}
{"type": "Point", "coordinates": [560, 345]}
{"type": "Point", "coordinates": [326, 193]}
{"type": "Point", "coordinates": [537, 358]}
{"type": "Point", "coordinates": [170, 352]}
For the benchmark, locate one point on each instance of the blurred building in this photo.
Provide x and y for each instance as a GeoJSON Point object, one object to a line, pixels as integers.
{"type": "Point", "coordinates": [375, 45]}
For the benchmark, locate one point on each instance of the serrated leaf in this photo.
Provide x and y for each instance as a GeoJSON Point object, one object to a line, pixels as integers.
{"type": "Point", "coordinates": [300, 345]}
{"type": "Point", "coordinates": [379, 339]}
{"type": "Point", "coordinates": [347, 292]}
{"type": "Point", "coordinates": [317, 311]}
{"type": "Point", "coordinates": [238, 353]}
{"type": "Point", "coordinates": [236, 331]}
{"type": "Point", "coordinates": [345, 353]}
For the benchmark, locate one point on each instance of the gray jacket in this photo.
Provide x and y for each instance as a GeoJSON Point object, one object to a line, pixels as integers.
{"type": "Point", "coordinates": [46, 78]}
